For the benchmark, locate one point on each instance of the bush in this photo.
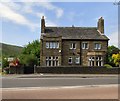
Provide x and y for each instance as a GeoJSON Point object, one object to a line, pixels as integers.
{"type": "Point", "coordinates": [28, 60]}
{"type": "Point", "coordinates": [108, 66]}
{"type": "Point", "coordinates": [5, 63]}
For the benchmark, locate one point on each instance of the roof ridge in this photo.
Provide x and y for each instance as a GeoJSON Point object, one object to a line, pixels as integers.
{"type": "Point", "coordinates": [71, 27]}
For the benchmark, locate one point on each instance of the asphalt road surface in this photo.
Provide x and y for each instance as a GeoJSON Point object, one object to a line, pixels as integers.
{"type": "Point", "coordinates": [56, 82]}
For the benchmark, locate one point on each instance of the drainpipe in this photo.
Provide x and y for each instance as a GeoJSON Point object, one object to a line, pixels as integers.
{"type": "Point", "coordinates": [80, 54]}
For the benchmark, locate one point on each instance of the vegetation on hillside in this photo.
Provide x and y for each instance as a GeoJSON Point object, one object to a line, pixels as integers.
{"type": "Point", "coordinates": [6, 51]}
{"type": "Point", "coordinates": [10, 50]}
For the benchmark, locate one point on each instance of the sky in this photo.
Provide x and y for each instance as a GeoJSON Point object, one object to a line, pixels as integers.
{"type": "Point", "coordinates": [20, 21]}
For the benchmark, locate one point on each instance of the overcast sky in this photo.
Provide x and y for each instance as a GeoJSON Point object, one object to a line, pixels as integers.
{"type": "Point", "coordinates": [21, 20]}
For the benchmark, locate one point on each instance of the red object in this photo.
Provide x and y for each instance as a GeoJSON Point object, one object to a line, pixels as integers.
{"type": "Point", "coordinates": [15, 62]}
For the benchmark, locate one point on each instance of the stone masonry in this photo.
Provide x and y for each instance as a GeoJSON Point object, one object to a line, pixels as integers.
{"type": "Point", "coordinates": [73, 46]}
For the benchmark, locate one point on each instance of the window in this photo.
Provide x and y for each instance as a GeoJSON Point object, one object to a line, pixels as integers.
{"type": "Point", "coordinates": [70, 60]}
{"type": "Point", "coordinates": [73, 46]}
{"type": "Point", "coordinates": [77, 60]}
{"type": "Point", "coordinates": [57, 62]}
{"type": "Point", "coordinates": [47, 44]}
{"type": "Point", "coordinates": [91, 61]}
{"type": "Point", "coordinates": [95, 61]}
{"type": "Point", "coordinates": [99, 61]}
{"type": "Point", "coordinates": [47, 61]}
{"type": "Point", "coordinates": [97, 46]}
{"type": "Point", "coordinates": [52, 45]}
{"type": "Point", "coordinates": [57, 44]}
{"type": "Point", "coordinates": [52, 61]}
{"type": "Point", "coordinates": [85, 45]}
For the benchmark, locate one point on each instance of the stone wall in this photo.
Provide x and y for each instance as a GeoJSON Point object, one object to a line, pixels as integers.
{"type": "Point", "coordinates": [77, 70]}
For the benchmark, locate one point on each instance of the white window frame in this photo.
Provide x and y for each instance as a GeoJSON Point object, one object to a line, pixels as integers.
{"type": "Point", "coordinates": [91, 60]}
{"type": "Point", "coordinates": [50, 59]}
{"type": "Point", "coordinates": [84, 45]}
{"type": "Point", "coordinates": [57, 44]}
{"type": "Point", "coordinates": [57, 61]}
{"type": "Point", "coordinates": [47, 44]}
{"type": "Point", "coordinates": [71, 46]}
{"type": "Point", "coordinates": [47, 61]}
{"type": "Point", "coordinates": [70, 58]}
{"type": "Point", "coordinates": [99, 60]}
{"type": "Point", "coordinates": [97, 46]}
{"type": "Point", "coordinates": [75, 45]}
{"type": "Point", "coordinates": [77, 60]}
{"type": "Point", "coordinates": [53, 44]}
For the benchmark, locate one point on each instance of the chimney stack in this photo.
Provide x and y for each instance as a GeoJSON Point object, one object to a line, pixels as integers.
{"type": "Point", "coordinates": [101, 25]}
{"type": "Point", "coordinates": [42, 25]}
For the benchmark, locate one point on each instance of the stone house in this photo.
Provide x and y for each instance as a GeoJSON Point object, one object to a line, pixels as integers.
{"type": "Point", "coordinates": [73, 46]}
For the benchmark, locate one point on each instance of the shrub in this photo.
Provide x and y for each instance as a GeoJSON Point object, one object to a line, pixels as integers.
{"type": "Point", "coordinates": [107, 65]}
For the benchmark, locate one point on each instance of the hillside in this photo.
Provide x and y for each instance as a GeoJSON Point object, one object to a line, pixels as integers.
{"type": "Point", "coordinates": [10, 50]}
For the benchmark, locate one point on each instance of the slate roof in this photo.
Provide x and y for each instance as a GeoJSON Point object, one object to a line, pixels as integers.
{"type": "Point", "coordinates": [75, 33]}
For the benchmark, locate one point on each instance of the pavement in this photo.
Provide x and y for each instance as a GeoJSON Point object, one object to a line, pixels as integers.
{"type": "Point", "coordinates": [87, 92]}
{"type": "Point", "coordinates": [58, 75]}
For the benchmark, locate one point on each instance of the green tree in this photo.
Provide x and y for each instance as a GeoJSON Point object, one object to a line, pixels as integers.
{"type": "Point", "coordinates": [28, 60]}
{"type": "Point", "coordinates": [116, 59]}
{"type": "Point", "coordinates": [30, 54]}
{"type": "Point", "coordinates": [5, 62]}
{"type": "Point", "coordinates": [32, 48]}
{"type": "Point", "coordinates": [111, 50]}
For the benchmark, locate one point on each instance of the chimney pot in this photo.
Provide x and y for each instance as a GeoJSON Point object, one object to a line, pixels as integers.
{"type": "Point", "coordinates": [42, 17]}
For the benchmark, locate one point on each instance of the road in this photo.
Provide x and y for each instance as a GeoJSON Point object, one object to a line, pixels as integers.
{"type": "Point", "coordinates": [60, 87]}
{"type": "Point", "coordinates": [56, 82]}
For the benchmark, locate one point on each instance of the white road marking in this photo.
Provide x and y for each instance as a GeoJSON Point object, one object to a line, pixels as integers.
{"type": "Point", "coordinates": [64, 78]}
{"type": "Point", "coordinates": [60, 87]}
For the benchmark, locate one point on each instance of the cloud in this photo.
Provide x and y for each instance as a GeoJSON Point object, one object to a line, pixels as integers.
{"type": "Point", "coordinates": [28, 7]}
{"type": "Point", "coordinates": [47, 22]}
{"type": "Point", "coordinates": [12, 5]}
{"type": "Point", "coordinates": [49, 6]}
{"type": "Point", "coordinates": [71, 16]}
{"type": "Point", "coordinates": [40, 15]}
{"type": "Point", "coordinates": [9, 14]}
{"type": "Point", "coordinates": [113, 39]}
{"type": "Point", "coordinates": [14, 11]}
{"type": "Point", "coordinates": [59, 12]}
{"type": "Point", "coordinates": [50, 23]}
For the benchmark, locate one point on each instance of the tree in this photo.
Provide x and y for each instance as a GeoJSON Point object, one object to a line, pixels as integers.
{"type": "Point", "coordinates": [28, 60]}
{"type": "Point", "coordinates": [5, 62]}
{"type": "Point", "coordinates": [32, 48]}
{"type": "Point", "coordinates": [116, 59]}
{"type": "Point", "coordinates": [31, 54]}
{"type": "Point", "coordinates": [111, 50]}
